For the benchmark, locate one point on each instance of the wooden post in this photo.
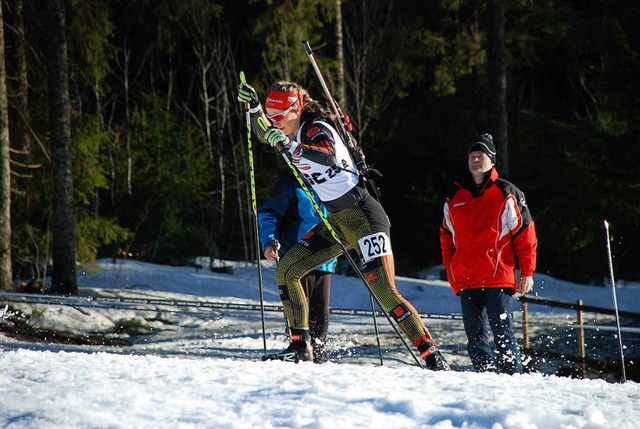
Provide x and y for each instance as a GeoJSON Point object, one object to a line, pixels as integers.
{"type": "Point", "coordinates": [581, 348]}
{"type": "Point", "coordinates": [525, 325]}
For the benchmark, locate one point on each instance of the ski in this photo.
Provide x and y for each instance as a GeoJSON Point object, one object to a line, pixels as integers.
{"type": "Point", "coordinates": [282, 356]}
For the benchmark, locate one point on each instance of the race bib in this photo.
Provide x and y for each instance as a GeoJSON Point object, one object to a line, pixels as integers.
{"type": "Point", "coordinates": [374, 245]}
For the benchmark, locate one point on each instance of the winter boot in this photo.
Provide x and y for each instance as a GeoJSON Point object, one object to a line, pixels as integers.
{"type": "Point", "coordinates": [299, 349]}
{"type": "Point", "coordinates": [434, 359]}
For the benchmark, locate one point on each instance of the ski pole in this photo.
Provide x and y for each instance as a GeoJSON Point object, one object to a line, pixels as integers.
{"type": "Point", "coordinates": [375, 326]}
{"type": "Point", "coordinates": [252, 182]}
{"type": "Point", "coordinates": [615, 303]}
{"type": "Point", "coordinates": [345, 252]}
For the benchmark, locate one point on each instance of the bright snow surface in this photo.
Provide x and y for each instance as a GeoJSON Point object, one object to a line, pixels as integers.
{"type": "Point", "coordinates": [199, 368]}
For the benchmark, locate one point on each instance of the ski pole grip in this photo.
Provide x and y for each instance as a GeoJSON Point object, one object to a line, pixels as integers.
{"type": "Point", "coordinates": [244, 80]}
{"type": "Point", "coordinates": [307, 47]}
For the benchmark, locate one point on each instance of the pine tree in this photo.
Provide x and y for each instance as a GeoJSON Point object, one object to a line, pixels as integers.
{"type": "Point", "coordinates": [63, 218]}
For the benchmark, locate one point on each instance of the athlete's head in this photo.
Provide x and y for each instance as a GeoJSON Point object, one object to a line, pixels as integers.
{"type": "Point", "coordinates": [285, 104]}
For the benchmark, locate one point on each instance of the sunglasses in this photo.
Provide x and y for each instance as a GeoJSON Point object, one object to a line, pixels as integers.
{"type": "Point", "coordinates": [277, 117]}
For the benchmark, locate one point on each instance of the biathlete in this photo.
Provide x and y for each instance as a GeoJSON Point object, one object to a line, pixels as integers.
{"type": "Point", "coordinates": [322, 158]}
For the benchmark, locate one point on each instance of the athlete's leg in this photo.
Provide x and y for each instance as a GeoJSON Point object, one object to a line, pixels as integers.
{"type": "Point", "coordinates": [318, 297]}
{"type": "Point", "coordinates": [367, 227]}
{"type": "Point", "coordinates": [308, 283]}
{"type": "Point", "coordinates": [314, 249]}
{"type": "Point", "coordinates": [319, 313]}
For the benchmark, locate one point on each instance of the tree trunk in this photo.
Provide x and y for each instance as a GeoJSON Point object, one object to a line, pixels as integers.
{"type": "Point", "coordinates": [241, 209]}
{"type": "Point", "coordinates": [497, 73]}
{"type": "Point", "coordinates": [127, 54]}
{"type": "Point", "coordinates": [5, 172]}
{"type": "Point", "coordinates": [63, 219]}
{"type": "Point", "coordinates": [23, 138]}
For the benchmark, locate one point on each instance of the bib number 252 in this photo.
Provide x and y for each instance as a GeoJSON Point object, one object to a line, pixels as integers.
{"type": "Point", "coordinates": [374, 245]}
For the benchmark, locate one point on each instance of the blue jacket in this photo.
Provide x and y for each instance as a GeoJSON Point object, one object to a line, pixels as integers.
{"type": "Point", "coordinates": [287, 214]}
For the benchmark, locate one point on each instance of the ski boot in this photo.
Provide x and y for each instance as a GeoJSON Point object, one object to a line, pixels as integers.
{"type": "Point", "coordinates": [299, 349]}
{"type": "Point", "coordinates": [434, 359]}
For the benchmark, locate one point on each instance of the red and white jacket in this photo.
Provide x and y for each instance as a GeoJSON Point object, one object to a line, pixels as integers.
{"type": "Point", "coordinates": [484, 232]}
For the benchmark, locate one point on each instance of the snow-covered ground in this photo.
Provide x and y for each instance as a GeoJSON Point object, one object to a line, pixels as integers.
{"type": "Point", "coordinates": [197, 365]}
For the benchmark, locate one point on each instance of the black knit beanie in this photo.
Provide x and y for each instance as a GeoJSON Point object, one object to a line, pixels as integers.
{"type": "Point", "coordinates": [485, 144]}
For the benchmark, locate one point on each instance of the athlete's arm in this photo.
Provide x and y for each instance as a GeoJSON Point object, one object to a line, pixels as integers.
{"type": "Point", "coordinates": [317, 145]}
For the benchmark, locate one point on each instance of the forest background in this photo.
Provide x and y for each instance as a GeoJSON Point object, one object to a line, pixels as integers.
{"type": "Point", "coordinates": [148, 151]}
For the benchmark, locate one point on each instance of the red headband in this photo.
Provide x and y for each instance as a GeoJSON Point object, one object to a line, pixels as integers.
{"type": "Point", "coordinates": [282, 100]}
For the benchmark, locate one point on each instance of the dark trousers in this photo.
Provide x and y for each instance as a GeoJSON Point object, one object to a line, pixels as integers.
{"type": "Point", "coordinates": [317, 288]}
{"type": "Point", "coordinates": [492, 307]}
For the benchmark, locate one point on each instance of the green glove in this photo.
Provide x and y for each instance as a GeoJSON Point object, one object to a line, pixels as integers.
{"type": "Point", "coordinates": [246, 94]}
{"type": "Point", "coordinates": [273, 136]}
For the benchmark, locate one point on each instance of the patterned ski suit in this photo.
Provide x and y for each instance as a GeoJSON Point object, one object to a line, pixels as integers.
{"type": "Point", "coordinates": [323, 159]}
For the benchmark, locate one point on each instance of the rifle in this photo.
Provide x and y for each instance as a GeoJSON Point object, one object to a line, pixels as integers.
{"type": "Point", "coordinates": [345, 127]}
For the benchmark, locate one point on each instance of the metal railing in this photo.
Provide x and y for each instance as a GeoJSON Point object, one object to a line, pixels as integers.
{"type": "Point", "coordinates": [580, 309]}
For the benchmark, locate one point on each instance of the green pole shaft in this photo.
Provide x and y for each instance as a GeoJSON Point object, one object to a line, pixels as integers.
{"type": "Point", "coordinates": [254, 209]}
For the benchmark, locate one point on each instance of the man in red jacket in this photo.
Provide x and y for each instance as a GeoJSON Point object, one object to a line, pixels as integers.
{"type": "Point", "coordinates": [487, 229]}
